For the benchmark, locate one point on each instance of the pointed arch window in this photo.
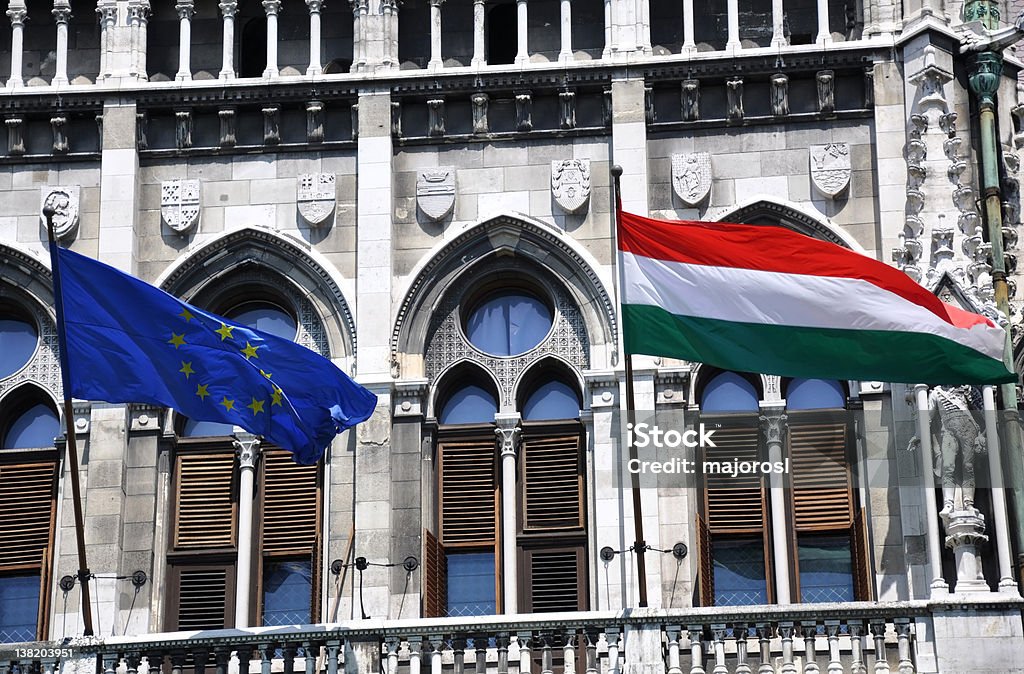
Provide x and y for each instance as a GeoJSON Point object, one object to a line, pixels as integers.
{"type": "Point", "coordinates": [18, 339]}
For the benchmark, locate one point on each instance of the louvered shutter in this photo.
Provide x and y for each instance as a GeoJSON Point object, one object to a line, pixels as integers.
{"type": "Point", "coordinates": [556, 579]}
{"type": "Point", "coordinates": [291, 505]}
{"type": "Point", "coordinates": [863, 580]}
{"type": "Point", "coordinates": [435, 577]}
{"type": "Point", "coordinates": [705, 565]}
{"type": "Point", "coordinates": [820, 472]}
{"type": "Point", "coordinates": [202, 598]}
{"type": "Point", "coordinates": [553, 483]}
{"type": "Point", "coordinates": [205, 501]}
{"type": "Point", "coordinates": [27, 503]}
{"type": "Point", "coordinates": [468, 492]}
{"type": "Point", "coordinates": [734, 504]}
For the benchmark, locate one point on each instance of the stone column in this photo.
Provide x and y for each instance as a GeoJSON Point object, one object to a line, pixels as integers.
{"type": "Point", "coordinates": [522, 53]}
{"type": "Point", "coordinates": [272, 8]}
{"type": "Point", "coordinates": [358, 43]}
{"type": "Point", "coordinates": [61, 15]}
{"type": "Point", "coordinates": [315, 67]}
{"type": "Point", "coordinates": [824, 34]}
{"type": "Point", "coordinates": [17, 14]}
{"type": "Point", "coordinates": [185, 9]}
{"type": "Point", "coordinates": [228, 9]}
{"type": "Point", "coordinates": [1001, 525]}
{"type": "Point", "coordinates": [436, 62]}
{"type": "Point", "coordinates": [608, 23]}
{"type": "Point", "coordinates": [508, 430]}
{"type": "Point", "coordinates": [733, 8]}
{"type": "Point", "coordinates": [773, 423]}
{"type": "Point", "coordinates": [924, 433]}
{"type": "Point", "coordinates": [478, 34]}
{"type": "Point", "coordinates": [965, 529]}
{"type": "Point", "coordinates": [778, 29]}
{"type": "Point", "coordinates": [689, 45]}
{"type": "Point", "coordinates": [107, 11]}
{"type": "Point", "coordinates": [565, 19]}
{"type": "Point", "coordinates": [138, 21]}
{"type": "Point", "coordinates": [248, 447]}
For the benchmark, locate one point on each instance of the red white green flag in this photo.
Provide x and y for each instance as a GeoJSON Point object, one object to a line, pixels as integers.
{"type": "Point", "coordinates": [768, 299]}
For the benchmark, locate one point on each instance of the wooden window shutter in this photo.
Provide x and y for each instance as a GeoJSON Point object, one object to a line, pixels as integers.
{"type": "Point", "coordinates": [552, 483]}
{"type": "Point", "coordinates": [705, 565]}
{"type": "Point", "coordinates": [557, 577]}
{"type": "Point", "coordinates": [27, 506]}
{"type": "Point", "coordinates": [820, 472]}
{"type": "Point", "coordinates": [434, 578]}
{"type": "Point", "coordinates": [291, 505]}
{"type": "Point", "coordinates": [205, 501]}
{"type": "Point", "coordinates": [734, 504]}
{"type": "Point", "coordinates": [468, 492]}
{"type": "Point", "coordinates": [863, 578]}
{"type": "Point", "coordinates": [204, 598]}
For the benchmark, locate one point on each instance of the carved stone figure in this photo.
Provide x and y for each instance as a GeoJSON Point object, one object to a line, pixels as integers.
{"type": "Point", "coordinates": [691, 177]}
{"type": "Point", "coordinates": [179, 204]}
{"type": "Point", "coordinates": [435, 192]}
{"type": "Point", "coordinates": [316, 197]}
{"type": "Point", "coordinates": [64, 200]}
{"type": "Point", "coordinates": [690, 100]}
{"type": "Point", "coordinates": [830, 168]}
{"type": "Point", "coordinates": [570, 184]}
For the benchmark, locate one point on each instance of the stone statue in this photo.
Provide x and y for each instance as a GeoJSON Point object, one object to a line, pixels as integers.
{"type": "Point", "coordinates": [959, 436]}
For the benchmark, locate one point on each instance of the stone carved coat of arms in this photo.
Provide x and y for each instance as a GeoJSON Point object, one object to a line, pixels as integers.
{"type": "Point", "coordinates": [830, 168]}
{"type": "Point", "coordinates": [570, 184]}
{"type": "Point", "coordinates": [435, 192]}
{"type": "Point", "coordinates": [316, 196]}
{"type": "Point", "coordinates": [691, 177]}
{"type": "Point", "coordinates": [179, 204]}
{"type": "Point", "coordinates": [65, 200]}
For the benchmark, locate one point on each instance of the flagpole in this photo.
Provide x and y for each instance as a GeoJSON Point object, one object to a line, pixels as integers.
{"type": "Point", "coordinates": [69, 418]}
{"type": "Point", "coordinates": [639, 545]}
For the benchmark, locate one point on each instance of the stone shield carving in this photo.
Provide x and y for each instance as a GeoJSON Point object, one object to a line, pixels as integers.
{"type": "Point", "coordinates": [830, 168]}
{"type": "Point", "coordinates": [316, 196]}
{"type": "Point", "coordinates": [691, 177]}
{"type": "Point", "coordinates": [435, 192]}
{"type": "Point", "coordinates": [179, 204]}
{"type": "Point", "coordinates": [64, 200]}
{"type": "Point", "coordinates": [570, 184]}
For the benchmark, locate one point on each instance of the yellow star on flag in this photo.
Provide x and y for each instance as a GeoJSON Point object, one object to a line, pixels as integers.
{"type": "Point", "coordinates": [186, 369]}
{"type": "Point", "coordinates": [228, 403]}
{"type": "Point", "coordinates": [186, 314]}
{"type": "Point", "coordinates": [275, 397]}
{"type": "Point", "coordinates": [265, 374]}
{"type": "Point", "coordinates": [256, 406]}
{"type": "Point", "coordinates": [176, 339]}
{"type": "Point", "coordinates": [224, 331]}
{"type": "Point", "coordinates": [202, 392]}
{"type": "Point", "coordinates": [249, 351]}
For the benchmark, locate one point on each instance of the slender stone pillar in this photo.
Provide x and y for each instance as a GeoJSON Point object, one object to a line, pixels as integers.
{"type": "Point", "coordinates": [565, 19]}
{"type": "Point", "coordinates": [107, 11]}
{"type": "Point", "coordinates": [272, 8]}
{"type": "Point", "coordinates": [61, 15]}
{"type": "Point", "coordinates": [358, 44]}
{"type": "Point", "coordinates": [248, 447]}
{"type": "Point", "coordinates": [17, 14]}
{"type": "Point", "coordinates": [508, 430]}
{"type": "Point", "coordinates": [733, 9]}
{"type": "Point", "coordinates": [778, 28]}
{"type": "Point", "coordinates": [689, 44]}
{"type": "Point", "coordinates": [824, 34]}
{"type": "Point", "coordinates": [315, 67]}
{"type": "Point", "coordinates": [522, 53]}
{"type": "Point", "coordinates": [1001, 520]}
{"type": "Point", "coordinates": [228, 9]}
{"type": "Point", "coordinates": [608, 23]}
{"type": "Point", "coordinates": [478, 33]}
{"type": "Point", "coordinates": [924, 433]}
{"type": "Point", "coordinates": [773, 423]}
{"type": "Point", "coordinates": [138, 22]}
{"type": "Point", "coordinates": [436, 62]}
{"type": "Point", "coordinates": [185, 9]}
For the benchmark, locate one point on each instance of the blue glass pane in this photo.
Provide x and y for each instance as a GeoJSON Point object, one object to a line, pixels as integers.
{"type": "Point", "coordinates": [35, 428]}
{"type": "Point", "coordinates": [202, 429]}
{"type": "Point", "coordinates": [508, 324]}
{"type": "Point", "coordinates": [265, 318]}
{"type": "Point", "coordinates": [469, 405]}
{"type": "Point", "coordinates": [19, 606]}
{"type": "Point", "coordinates": [826, 568]}
{"type": "Point", "coordinates": [471, 584]}
{"type": "Point", "coordinates": [729, 392]}
{"type": "Point", "coordinates": [17, 344]}
{"type": "Point", "coordinates": [287, 593]}
{"type": "Point", "coordinates": [552, 400]}
{"type": "Point", "coordinates": [739, 572]}
{"type": "Point", "coordinates": [815, 394]}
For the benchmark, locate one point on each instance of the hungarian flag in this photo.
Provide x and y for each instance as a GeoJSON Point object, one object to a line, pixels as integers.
{"type": "Point", "coordinates": [767, 299]}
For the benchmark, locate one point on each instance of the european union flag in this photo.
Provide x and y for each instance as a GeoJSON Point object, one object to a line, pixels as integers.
{"type": "Point", "coordinates": [127, 341]}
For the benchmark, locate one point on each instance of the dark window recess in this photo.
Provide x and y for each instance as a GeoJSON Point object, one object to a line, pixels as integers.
{"type": "Point", "coordinates": [254, 48]}
{"type": "Point", "coordinates": [502, 35]}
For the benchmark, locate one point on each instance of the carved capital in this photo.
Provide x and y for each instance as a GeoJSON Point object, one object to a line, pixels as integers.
{"type": "Point", "coordinates": [507, 433]}
{"type": "Point", "coordinates": [61, 11]}
{"type": "Point", "coordinates": [185, 9]}
{"type": "Point", "coordinates": [773, 425]}
{"type": "Point", "coordinates": [17, 16]}
{"type": "Point", "coordinates": [314, 6]}
{"type": "Point", "coordinates": [247, 446]}
{"type": "Point", "coordinates": [228, 8]}
{"type": "Point", "coordinates": [272, 7]}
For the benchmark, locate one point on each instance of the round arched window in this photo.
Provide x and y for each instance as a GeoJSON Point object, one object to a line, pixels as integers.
{"type": "Point", "coordinates": [552, 400]}
{"type": "Point", "coordinates": [469, 404]}
{"type": "Point", "coordinates": [729, 392]}
{"type": "Point", "coordinates": [265, 317]}
{"type": "Point", "coordinates": [815, 394]}
{"type": "Point", "coordinates": [508, 323]}
{"type": "Point", "coordinates": [35, 427]}
{"type": "Point", "coordinates": [203, 429]}
{"type": "Point", "coordinates": [18, 338]}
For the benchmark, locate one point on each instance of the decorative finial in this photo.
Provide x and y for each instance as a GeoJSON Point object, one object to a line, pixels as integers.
{"type": "Point", "coordinates": [616, 170]}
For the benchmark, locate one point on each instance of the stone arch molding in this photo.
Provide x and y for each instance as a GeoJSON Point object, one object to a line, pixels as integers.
{"type": "Point", "coordinates": [254, 255]}
{"type": "Point", "coordinates": [789, 215]}
{"type": "Point", "coordinates": [560, 264]}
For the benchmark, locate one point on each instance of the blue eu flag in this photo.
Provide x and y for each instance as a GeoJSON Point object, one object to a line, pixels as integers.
{"type": "Point", "coordinates": [127, 341]}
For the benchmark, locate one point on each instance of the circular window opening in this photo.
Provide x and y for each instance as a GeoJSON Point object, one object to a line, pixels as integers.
{"type": "Point", "coordinates": [265, 317]}
{"type": "Point", "coordinates": [18, 339]}
{"type": "Point", "coordinates": [508, 322]}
